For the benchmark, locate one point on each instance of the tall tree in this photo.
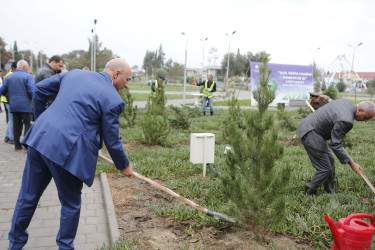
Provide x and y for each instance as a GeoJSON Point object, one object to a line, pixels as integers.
{"type": "Point", "coordinates": [317, 72]}
{"type": "Point", "coordinates": [149, 62]}
{"type": "Point", "coordinates": [17, 55]}
{"type": "Point", "coordinates": [5, 55]}
{"type": "Point", "coordinates": [250, 57]}
{"type": "Point", "coordinates": [161, 57]}
{"type": "Point", "coordinates": [27, 56]}
{"type": "Point", "coordinates": [231, 64]}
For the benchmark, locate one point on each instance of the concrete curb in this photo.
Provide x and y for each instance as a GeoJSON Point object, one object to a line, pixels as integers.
{"type": "Point", "coordinates": [113, 231]}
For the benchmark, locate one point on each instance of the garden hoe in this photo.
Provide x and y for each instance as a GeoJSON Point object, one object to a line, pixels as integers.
{"type": "Point", "coordinates": [361, 174]}
{"type": "Point", "coordinates": [187, 202]}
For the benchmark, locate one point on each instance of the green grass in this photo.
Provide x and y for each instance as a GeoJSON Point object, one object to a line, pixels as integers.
{"type": "Point", "coordinates": [144, 97]}
{"type": "Point", "coordinates": [168, 87]}
{"type": "Point", "coordinates": [243, 103]}
{"type": "Point", "coordinates": [305, 214]}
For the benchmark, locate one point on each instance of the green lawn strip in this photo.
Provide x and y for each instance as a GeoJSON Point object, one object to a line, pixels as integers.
{"type": "Point", "coordinates": [142, 86]}
{"type": "Point", "coordinates": [304, 214]}
{"type": "Point", "coordinates": [144, 97]}
{"type": "Point", "coordinates": [240, 102]}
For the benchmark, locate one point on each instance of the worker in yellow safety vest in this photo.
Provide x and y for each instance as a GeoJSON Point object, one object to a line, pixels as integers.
{"type": "Point", "coordinates": [208, 90]}
{"type": "Point", "coordinates": [157, 85]}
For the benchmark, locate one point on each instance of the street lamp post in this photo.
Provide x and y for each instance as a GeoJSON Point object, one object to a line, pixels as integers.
{"type": "Point", "coordinates": [352, 71]}
{"type": "Point", "coordinates": [92, 50]}
{"type": "Point", "coordinates": [204, 42]}
{"type": "Point", "coordinates": [314, 55]}
{"type": "Point", "coordinates": [229, 36]}
{"type": "Point", "coordinates": [185, 68]}
{"type": "Point", "coordinates": [31, 60]}
{"type": "Point", "coordinates": [94, 60]}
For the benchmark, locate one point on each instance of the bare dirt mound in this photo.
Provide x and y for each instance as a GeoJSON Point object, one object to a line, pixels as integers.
{"type": "Point", "coordinates": [135, 203]}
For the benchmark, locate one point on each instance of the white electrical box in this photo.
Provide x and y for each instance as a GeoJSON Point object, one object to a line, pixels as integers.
{"type": "Point", "coordinates": [202, 148]}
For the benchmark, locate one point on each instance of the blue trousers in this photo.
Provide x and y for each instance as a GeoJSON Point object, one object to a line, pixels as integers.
{"type": "Point", "coordinates": [210, 103]}
{"type": "Point", "coordinates": [37, 175]}
{"type": "Point", "coordinates": [9, 130]}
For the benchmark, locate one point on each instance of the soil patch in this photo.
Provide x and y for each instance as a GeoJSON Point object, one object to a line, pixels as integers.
{"type": "Point", "coordinates": [136, 203]}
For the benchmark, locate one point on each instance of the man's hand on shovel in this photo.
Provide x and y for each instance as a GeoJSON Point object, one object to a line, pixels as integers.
{"type": "Point", "coordinates": [356, 167]}
{"type": "Point", "coordinates": [128, 172]}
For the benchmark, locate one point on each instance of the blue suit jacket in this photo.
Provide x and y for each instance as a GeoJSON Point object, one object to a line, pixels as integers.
{"type": "Point", "coordinates": [85, 112]}
{"type": "Point", "coordinates": [20, 87]}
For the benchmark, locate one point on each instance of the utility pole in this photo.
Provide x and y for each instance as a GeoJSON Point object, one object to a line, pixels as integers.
{"type": "Point", "coordinates": [204, 42]}
{"type": "Point", "coordinates": [352, 72]}
{"type": "Point", "coordinates": [94, 45]}
{"type": "Point", "coordinates": [185, 69]}
{"type": "Point", "coordinates": [229, 36]}
{"type": "Point", "coordinates": [92, 50]}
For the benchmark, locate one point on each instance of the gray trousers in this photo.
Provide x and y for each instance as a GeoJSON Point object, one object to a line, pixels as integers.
{"type": "Point", "coordinates": [321, 158]}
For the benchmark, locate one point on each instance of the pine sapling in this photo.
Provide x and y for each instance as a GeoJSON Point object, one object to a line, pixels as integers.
{"type": "Point", "coordinates": [251, 180]}
{"type": "Point", "coordinates": [129, 112]}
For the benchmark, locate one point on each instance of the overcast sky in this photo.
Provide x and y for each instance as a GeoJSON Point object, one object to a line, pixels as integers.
{"type": "Point", "coordinates": [290, 31]}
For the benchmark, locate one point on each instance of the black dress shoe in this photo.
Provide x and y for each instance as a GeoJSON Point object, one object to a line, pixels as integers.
{"type": "Point", "coordinates": [6, 139]}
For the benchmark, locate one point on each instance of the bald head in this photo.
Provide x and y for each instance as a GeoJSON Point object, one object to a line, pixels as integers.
{"type": "Point", "coordinates": [117, 64]}
{"type": "Point", "coordinates": [365, 111]}
{"type": "Point", "coordinates": [120, 72]}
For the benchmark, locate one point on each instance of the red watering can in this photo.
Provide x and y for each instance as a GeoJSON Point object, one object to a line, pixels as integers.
{"type": "Point", "coordinates": [352, 233]}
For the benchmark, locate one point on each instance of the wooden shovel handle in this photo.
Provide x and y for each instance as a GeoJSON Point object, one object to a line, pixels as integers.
{"type": "Point", "coordinates": [158, 186]}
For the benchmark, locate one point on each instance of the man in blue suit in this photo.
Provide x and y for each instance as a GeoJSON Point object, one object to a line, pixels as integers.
{"type": "Point", "coordinates": [63, 144]}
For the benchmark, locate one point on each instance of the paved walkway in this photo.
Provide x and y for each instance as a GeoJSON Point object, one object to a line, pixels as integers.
{"type": "Point", "coordinates": [97, 207]}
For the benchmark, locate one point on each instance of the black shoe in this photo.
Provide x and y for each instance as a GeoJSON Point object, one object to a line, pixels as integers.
{"type": "Point", "coordinates": [6, 139]}
{"type": "Point", "coordinates": [212, 113]}
{"type": "Point", "coordinates": [309, 189]}
{"type": "Point", "coordinates": [204, 113]}
{"type": "Point", "coordinates": [11, 141]}
{"type": "Point", "coordinates": [329, 186]}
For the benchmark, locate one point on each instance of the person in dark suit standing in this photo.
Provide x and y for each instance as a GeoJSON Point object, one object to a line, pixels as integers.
{"type": "Point", "coordinates": [331, 122]}
{"type": "Point", "coordinates": [64, 141]}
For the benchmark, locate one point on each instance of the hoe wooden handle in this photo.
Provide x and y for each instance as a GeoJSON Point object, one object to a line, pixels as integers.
{"type": "Point", "coordinates": [368, 182]}
{"type": "Point", "coordinates": [216, 215]}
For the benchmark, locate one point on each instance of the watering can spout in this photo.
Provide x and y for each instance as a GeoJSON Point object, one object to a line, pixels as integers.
{"type": "Point", "coordinates": [334, 230]}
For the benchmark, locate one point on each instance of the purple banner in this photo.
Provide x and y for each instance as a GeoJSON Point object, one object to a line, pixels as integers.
{"type": "Point", "coordinates": [291, 82]}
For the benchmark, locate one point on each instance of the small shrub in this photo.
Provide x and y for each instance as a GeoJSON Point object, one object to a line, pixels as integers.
{"type": "Point", "coordinates": [324, 86]}
{"type": "Point", "coordinates": [285, 118]}
{"type": "Point", "coordinates": [317, 86]}
{"type": "Point", "coordinates": [371, 88]}
{"type": "Point", "coordinates": [155, 123]}
{"type": "Point", "coordinates": [181, 119]}
{"type": "Point", "coordinates": [341, 86]}
{"type": "Point", "coordinates": [129, 112]}
{"type": "Point", "coordinates": [303, 112]}
{"type": "Point", "coordinates": [331, 92]}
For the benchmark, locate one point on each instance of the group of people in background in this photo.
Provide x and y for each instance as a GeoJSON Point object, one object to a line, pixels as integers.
{"type": "Point", "coordinates": [17, 89]}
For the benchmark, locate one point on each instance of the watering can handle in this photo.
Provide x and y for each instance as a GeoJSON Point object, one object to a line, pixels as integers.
{"type": "Point", "coordinates": [359, 216]}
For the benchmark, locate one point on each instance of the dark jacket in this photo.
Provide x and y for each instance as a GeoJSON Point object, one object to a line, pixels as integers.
{"type": "Point", "coordinates": [20, 86]}
{"type": "Point", "coordinates": [44, 72]}
{"type": "Point", "coordinates": [331, 122]}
